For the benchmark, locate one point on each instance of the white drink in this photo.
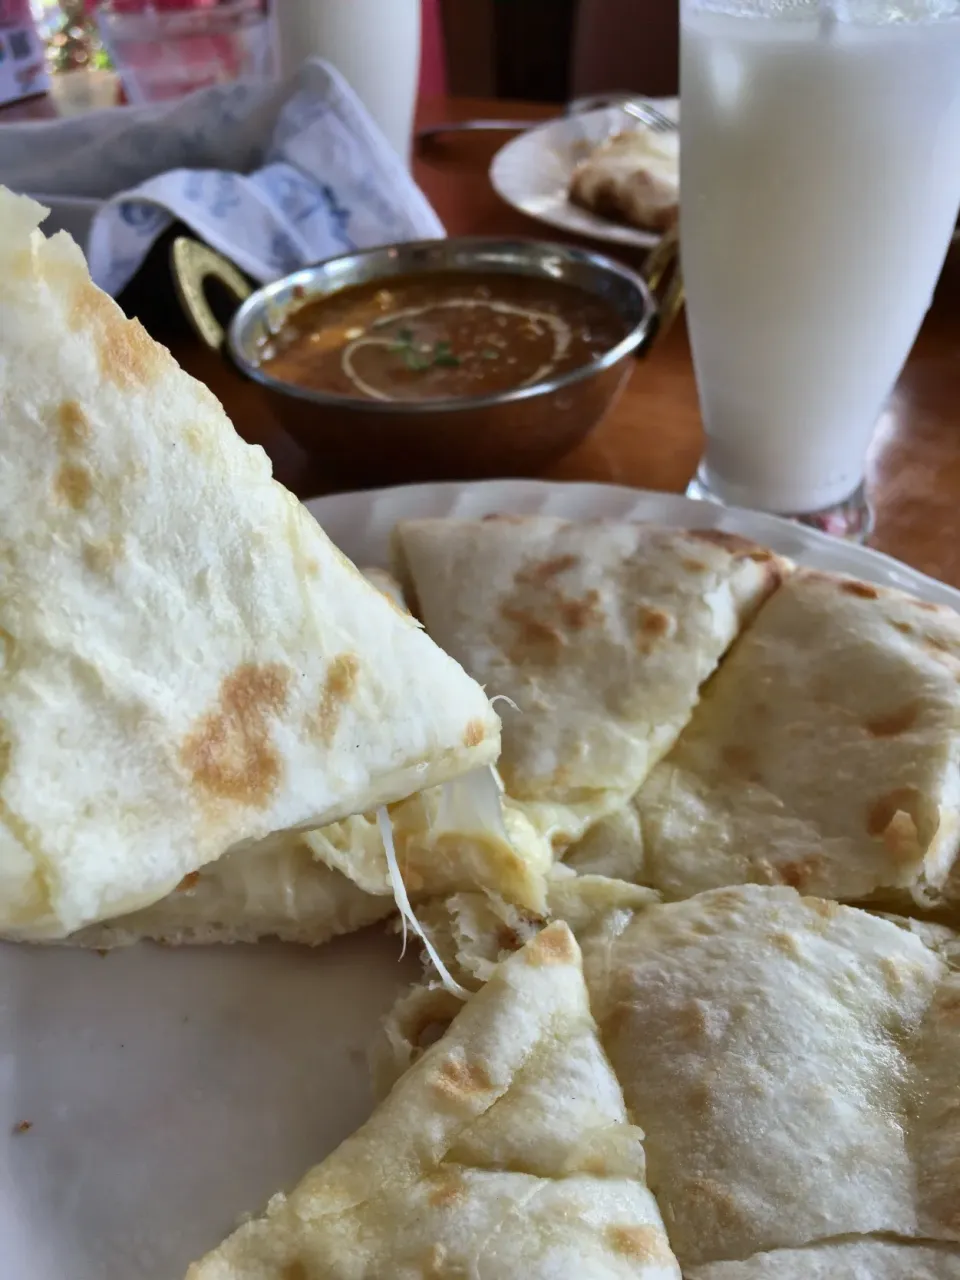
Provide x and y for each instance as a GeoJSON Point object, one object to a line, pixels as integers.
{"type": "Point", "coordinates": [375, 44]}
{"type": "Point", "coordinates": [820, 181]}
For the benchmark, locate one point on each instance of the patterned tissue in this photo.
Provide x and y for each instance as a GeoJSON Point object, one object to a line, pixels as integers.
{"type": "Point", "coordinates": [273, 176]}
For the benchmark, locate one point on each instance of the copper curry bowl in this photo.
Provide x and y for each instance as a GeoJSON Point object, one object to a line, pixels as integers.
{"type": "Point", "coordinates": [285, 335]}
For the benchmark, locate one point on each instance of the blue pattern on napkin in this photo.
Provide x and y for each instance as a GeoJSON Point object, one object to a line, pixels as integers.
{"type": "Point", "coordinates": [273, 176]}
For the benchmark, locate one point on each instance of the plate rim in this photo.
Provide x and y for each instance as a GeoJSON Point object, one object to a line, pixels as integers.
{"type": "Point", "coordinates": [337, 512]}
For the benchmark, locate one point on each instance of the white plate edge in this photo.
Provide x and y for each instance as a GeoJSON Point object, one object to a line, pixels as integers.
{"type": "Point", "coordinates": [379, 509]}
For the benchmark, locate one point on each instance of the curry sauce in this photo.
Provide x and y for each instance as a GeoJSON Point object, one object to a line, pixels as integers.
{"type": "Point", "coordinates": [441, 336]}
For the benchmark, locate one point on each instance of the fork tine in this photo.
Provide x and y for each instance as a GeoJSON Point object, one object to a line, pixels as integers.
{"type": "Point", "coordinates": [647, 114]}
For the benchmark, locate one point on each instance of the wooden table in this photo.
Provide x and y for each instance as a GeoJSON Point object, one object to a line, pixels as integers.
{"type": "Point", "coordinates": [652, 437]}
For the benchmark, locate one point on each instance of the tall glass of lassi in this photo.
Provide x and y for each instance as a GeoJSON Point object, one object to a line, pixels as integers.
{"type": "Point", "coordinates": [820, 183]}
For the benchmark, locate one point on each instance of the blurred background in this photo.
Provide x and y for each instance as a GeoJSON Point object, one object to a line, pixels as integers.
{"type": "Point", "coordinates": [536, 50]}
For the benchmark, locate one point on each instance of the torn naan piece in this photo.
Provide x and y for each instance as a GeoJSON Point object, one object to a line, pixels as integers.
{"type": "Point", "coordinates": [794, 1065]}
{"type": "Point", "coordinates": [472, 933]}
{"type": "Point", "coordinates": [188, 664]}
{"type": "Point", "coordinates": [504, 1152]}
{"type": "Point", "coordinates": [601, 633]}
{"type": "Point", "coordinates": [825, 754]}
{"type": "Point", "coordinates": [849, 1259]}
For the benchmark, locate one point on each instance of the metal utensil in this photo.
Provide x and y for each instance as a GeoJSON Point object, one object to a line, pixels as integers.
{"type": "Point", "coordinates": [471, 126]}
{"type": "Point", "coordinates": [649, 115]}
{"type": "Point", "coordinates": [639, 108]}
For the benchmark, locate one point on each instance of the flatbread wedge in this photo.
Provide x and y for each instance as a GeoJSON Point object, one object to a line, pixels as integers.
{"type": "Point", "coordinates": [309, 887]}
{"type": "Point", "coordinates": [600, 632]}
{"type": "Point", "coordinates": [186, 662]}
{"type": "Point", "coordinates": [793, 1064]}
{"type": "Point", "coordinates": [474, 932]}
{"type": "Point", "coordinates": [505, 1151]}
{"type": "Point", "coordinates": [825, 754]}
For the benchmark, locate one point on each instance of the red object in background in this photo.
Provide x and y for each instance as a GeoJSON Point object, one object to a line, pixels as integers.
{"type": "Point", "coordinates": [136, 6]}
{"type": "Point", "coordinates": [15, 13]}
{"type": "Point", "coordinates": [165, 50]}
{"type": "Point", "coordinates": [433, 54]}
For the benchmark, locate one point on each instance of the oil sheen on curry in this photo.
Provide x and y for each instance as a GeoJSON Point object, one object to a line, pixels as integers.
{"type": "Point", "coordinates": [441, 337]}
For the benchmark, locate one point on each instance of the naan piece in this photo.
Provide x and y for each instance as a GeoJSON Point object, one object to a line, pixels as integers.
{"type": "Point", "coordinates": [825, 754]}
{"type": "Point", "coordinates": [632, 177]}
{"type": "Point", "coordinates": [794, 1065]}
{"type": "Point", "coordinates": [312, 886]}
{"type": "Point", "coordinates": [504, 1152]}
{"type": "Point", "coordinates": [309, 887]}
{"type": "Point", "coordinates": [842, 1260]}
{"type": "Point", "coordinates": [601, 633]}
{"type": "Point", "coordinates": [458, 837]}
{"type": "Point", "coordinates": [793, 1062]}
{"type": "Point", "coordinates": [188, 663]}
{"type": "Point", "coordinates": [277, 888]}
{"type": "Point", "coordinates": [472, 933]}
{"type": "Point", "coordinates": [612, 847]}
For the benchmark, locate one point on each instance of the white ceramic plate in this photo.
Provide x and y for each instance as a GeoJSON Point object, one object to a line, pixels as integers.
{"type": "Point", "coordinates": [171, 1091]}
{"type": "Point", "coordinates": [532, 172]}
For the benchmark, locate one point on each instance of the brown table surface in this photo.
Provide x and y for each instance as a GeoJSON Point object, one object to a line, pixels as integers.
{"type": "Point", "coordinates": [652, 437]}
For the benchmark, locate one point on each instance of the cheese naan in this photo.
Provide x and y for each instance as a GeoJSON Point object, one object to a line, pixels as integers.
{"type": "Point", "coordinates": [505, 1151]}
{"type": "Point", "coordinates": [311, 886]}
{"type": "Point", "coordinates": [186, 662]}
{"type": "Point", "coordinates": [825, 754]}
{"type": "Point", "coordinates": [793, 1063]}
{"type": "Point", "coordinates": [601, 634]}
{"type": "Point", "coordinates": [277, 888]}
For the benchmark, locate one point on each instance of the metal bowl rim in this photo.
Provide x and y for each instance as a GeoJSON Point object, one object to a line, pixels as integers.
{"type": "Point", "coordinates": [323, 399]}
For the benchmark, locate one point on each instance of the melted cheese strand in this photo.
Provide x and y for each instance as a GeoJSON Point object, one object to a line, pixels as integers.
{"type": "Point", "coordinates": [406, 911]}
{"type": "Point", "coordinates": [502, 697]}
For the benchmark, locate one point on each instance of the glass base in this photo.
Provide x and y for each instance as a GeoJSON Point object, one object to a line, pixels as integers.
{"type": "Point", "coordinates": [851, 519]}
